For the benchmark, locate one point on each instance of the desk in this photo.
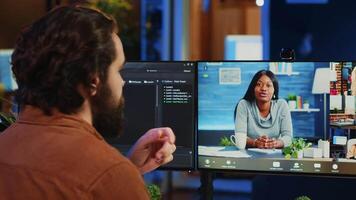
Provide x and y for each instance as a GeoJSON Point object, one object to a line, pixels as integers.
{"type": "Point", "coordinates": [230, 158]}
{"type": "Point", "coordinates": [348, 127]}
{"type": "Point", "coordinates": [233, 152]}
{"type": "Point", "coordinates": [249, 153]}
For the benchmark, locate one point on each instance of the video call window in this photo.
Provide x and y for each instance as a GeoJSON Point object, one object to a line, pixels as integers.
{"type": "Point", "coordinates": [227, 118]}
{"type": "Point", "coordinates": [222, 85]}
{"type": "Point", "coordinates": [160, 94]}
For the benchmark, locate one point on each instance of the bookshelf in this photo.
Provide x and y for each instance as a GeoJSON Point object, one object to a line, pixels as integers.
{"type": "Point", "coordinates": [286, 74]}
{"type": "Point", "coordinates": [282, 68]}
{"type": "Point", "coordinates": [305, 110]}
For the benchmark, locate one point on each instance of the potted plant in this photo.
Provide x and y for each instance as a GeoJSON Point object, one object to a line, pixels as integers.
{"type": "Point", "coordinates": [6, 120]}
{"type": "Point", "coordinates": [302, 198]}
{"type": "Point", "coordinates": [306, 104]}
{"type": "Point", "coordinates": [295, 150]}
{"type": "Point", "coordinates": [224, 141]}
{"type": "Point", "coordinates": [6, 116]}
{"type": "Point", "coordinates": [335, 110]}
{"type": "Point", "coordinates": [292, 101]}
{"type": "Point", "coordinates": [154, 192]}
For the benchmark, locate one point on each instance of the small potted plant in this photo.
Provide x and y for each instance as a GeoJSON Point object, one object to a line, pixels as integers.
{"type": "Point", "coordinates": [6, 120]}
{"type": "Point", "coordinates": [302, 198]}
{"type": "Point", "coordinates": [154, 192]}
{"type": "Point", "coordinates": [295, 150]}
{"type": "Point", "coordinates": [292, 101]}
{"type": "Point", "coordinates": [306, 104]}
{"type": "Point", "coordinates": [224, 141]}
{"type": "Point", "coordinates": [335, 110]}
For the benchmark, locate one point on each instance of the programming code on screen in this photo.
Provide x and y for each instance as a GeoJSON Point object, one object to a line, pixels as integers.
{"type": "Point", "coordinates": [160, 95]}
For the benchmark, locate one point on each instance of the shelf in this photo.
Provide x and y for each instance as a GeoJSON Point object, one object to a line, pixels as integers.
{"type": "Point", "coordinates": [305, 110]}
{"type": "Point", "coordinates": [340, 114]}
{"type": "Point", "coordinates": [286, 74]}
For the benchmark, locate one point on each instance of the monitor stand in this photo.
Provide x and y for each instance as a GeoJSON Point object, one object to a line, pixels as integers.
{"type": "Point", "coordinates": [206, 185]}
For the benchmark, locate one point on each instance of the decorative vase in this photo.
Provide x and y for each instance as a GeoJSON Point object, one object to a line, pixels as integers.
{"type": "Point", "coordinates": [300, 154]}
{"type": "Point", "coordinates": [292, 104]}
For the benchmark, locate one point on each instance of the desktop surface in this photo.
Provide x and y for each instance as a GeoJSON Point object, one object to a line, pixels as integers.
{"type": "Point", "coordinates": [269, 160]}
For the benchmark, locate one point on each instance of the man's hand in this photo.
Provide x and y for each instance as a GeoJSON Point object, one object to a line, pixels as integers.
{"type": "Point", "coordinates": [153, 149]}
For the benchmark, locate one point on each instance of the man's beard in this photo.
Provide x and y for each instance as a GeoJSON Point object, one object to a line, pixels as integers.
{"type": "Point", "coordinates": [108, 115]}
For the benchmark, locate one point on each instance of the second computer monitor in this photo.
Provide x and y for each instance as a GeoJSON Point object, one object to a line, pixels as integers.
{"type": "Point", "coordinates": [275, 117]}
{"type": "Point", "coordinates": [160, 94]}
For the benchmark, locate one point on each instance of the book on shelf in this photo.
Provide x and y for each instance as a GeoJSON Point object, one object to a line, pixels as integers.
{"type": "Point", "coordinates": [281, 67]}
{"type": "Point", "coordinates": [299, 102]}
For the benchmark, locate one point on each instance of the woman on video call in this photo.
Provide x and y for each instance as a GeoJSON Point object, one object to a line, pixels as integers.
{"type": "Point", "coordinates": [265, 118]}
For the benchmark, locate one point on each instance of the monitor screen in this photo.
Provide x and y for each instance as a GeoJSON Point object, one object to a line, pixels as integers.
{"type": "Point", "coordinates": [6, 76]}
{"type": "Point", "coordinates": [160, 94]}
{"type": "Point", "coordinates": [272, 117]}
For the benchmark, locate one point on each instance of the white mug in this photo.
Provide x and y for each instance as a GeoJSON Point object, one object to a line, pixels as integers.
{"type": "Point", "coordinates": [239, 140]}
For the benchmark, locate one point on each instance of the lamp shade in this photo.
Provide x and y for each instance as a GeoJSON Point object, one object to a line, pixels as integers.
{"type": "Point", "coordinates": [333, 75]}
{"type": "Point", "coordinates": [321, 84]}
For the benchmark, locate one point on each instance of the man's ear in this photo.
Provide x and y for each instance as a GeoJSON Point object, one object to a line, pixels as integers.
{"type": "Point", "coordinates": [94, 85]}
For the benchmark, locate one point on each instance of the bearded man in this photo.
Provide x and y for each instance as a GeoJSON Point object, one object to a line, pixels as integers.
{"type": "Point", "coordinates": [67, 66]}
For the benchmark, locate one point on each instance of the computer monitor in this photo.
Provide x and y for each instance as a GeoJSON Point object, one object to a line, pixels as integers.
{"type": "Point", "coordinates": [298, 115]}
{"type": "Point", "coordinates": [6, 76]}
{"type": "Point", "coordinates": [160, 94]}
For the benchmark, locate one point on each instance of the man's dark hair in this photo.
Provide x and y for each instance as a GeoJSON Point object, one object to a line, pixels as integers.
{"type": "Point", "coordinates": [250, 93]}
{"type": "Point", "coordinates": [62, 50]}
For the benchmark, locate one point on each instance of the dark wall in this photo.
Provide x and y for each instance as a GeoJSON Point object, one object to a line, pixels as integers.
{"type": "Point", "coordinates": [14, 15]}
{"type": "Point", "coordinates": [315, 31]}
{"type": "Point", "coordinates": [318, 32]}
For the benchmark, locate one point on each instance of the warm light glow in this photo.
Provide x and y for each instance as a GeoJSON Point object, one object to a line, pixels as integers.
{"type": "Point", "coordinates": [260, 2]}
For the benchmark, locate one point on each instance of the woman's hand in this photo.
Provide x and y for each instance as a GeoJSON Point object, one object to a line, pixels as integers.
{"type": "Point", "coordinates": [264, 142]}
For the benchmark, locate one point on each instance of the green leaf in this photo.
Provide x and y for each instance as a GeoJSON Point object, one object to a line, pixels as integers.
{"type": "Point", "coordinates": [224, 141]}
{"type": "Point", "coordinates": [297, 144]}
{"type": "Point", "coordinates": [308, 145]}
{"type": "Point", "coordinates": [6, 120]}
{"type": "Point", "coordinates": [302, 198]}
{"type": "Point", "coordinates": [294, 154]}
{"type": "Point", "coordinates": [154, 192]}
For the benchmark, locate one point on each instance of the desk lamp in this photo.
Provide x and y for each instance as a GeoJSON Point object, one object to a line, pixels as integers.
{"type": "Point", "coordinates": [321, 85]}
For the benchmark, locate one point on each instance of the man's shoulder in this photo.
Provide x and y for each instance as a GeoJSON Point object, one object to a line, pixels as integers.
{"type": "Point", "coordinates": [93, 159]}
{"type": "Point", "coordinates": [76, 158]}
{"type": "Point", "coordinates": [75, 161]}
{"type": "Point", "coordinates": [121, 181]}
{"type": "Point", "coordinates": [94, 156]}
